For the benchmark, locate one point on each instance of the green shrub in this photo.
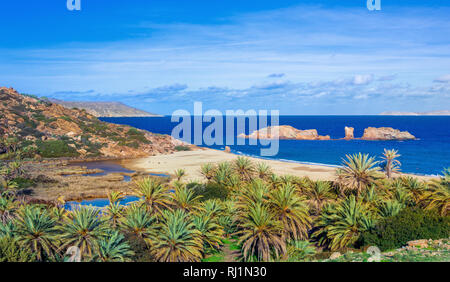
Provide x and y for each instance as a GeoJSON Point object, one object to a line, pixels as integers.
{"type": "Point", "coordinates": [182, 148]}
{"type": "Point", "coordinates": [10, 251]}
{"type": "Point", "coordinates": [210, 191]}
{"type": "Point", "coordinates": [23, 183]}
{"type": "Point", "coordinates": [55, 149]}
{"type": "Point", "coordinates": [409, 224]}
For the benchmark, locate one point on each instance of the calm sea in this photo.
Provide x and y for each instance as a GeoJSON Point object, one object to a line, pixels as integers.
{"type": "Point", "coordinates": [428, 155]}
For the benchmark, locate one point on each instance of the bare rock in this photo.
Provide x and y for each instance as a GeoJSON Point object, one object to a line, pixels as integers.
{"type": "Point", "coordinates": [418, 243]}
{"type": "Point", "coordinates": [386, 133]}
{"type": "Point", "coordinates": [349, 133]}
{"type": "Point", "coordinates": [285, 132]}
{"type": "Point", "coordinates": [335, 255]}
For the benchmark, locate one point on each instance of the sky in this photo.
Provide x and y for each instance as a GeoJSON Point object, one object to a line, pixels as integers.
{"type": "Point", "coordinates": [298, 57]}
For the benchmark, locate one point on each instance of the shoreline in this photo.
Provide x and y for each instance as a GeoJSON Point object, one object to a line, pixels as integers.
{"type": "Point", "coordinates": [191, 162]}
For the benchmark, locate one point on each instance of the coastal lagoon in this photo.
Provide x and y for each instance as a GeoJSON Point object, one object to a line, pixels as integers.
{"type": "Point", "coordinates": [99, 203]}
{"type": "Point", "coordinates": [428, 155]}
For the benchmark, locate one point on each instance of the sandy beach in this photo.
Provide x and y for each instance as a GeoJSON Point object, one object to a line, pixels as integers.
{"type": "Point", "coordinates": [191, 162]}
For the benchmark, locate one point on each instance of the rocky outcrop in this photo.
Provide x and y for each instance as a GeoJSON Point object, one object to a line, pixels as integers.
{"type": "Point", "coordinates": [386, 133]}
{"type": "Point", "coordinates": [38, 120]}
{"type": "Point", "coordinates": [285, 132]}
{"type": "Point", "coordinates": [349, 133]}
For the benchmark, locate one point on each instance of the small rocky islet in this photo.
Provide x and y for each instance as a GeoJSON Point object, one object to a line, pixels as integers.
{"type": "Point", "coordinates": [287, 132]}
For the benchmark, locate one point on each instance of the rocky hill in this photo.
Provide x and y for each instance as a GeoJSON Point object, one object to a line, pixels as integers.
{"type": "Point", "coordinates": [105, 109]}
{"type": "Point", "coordinates": [51, 130]}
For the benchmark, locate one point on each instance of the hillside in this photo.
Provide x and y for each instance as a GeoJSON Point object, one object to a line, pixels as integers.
{"type": "Point", "coordinates": [105, 109]}
{"type": "Point", "coordinates": [40, 127]}
{"type": "Point", "coordinates": [435, 113]}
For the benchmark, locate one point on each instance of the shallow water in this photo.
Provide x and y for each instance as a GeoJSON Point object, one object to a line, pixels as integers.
{"type": "Point", "coordinates": [99, 203]}
{"type": "Point", "coordinates": [107, 167]}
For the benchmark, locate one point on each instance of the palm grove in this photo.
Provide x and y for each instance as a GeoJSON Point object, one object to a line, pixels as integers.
{"type": "Point", "coordinates": [267, 216]}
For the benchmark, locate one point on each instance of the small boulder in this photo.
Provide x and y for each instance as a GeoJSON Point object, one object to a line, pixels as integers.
{"type": "Point", "coordinates": [335, 255]}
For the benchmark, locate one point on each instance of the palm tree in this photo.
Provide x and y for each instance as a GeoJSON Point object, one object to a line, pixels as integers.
{"type": "Point", "coordinates": [7, 229]}
{"type": "Point", "coordinates": [357, 173]}
{"type": "Point", "coordinates": [300, 250]}
{"type": "Point", "coordinates": [244, 168]}
{"type": "Point", "coordinates": [139, 222]}
{"type": "Point", "coordinates": [438, 198]}
{"type": "Point", "coordinates": [58, 213]}
{"type": "Point", "coordinates": [264, 171]}
{"type": "Point", "coordinates": [211, 232]}
{"type": "Point", "coordinates": [228, 218]}
{"type": "Point", "coordinates": [7, 207]}
{"type": "Point", "coordinates": [180, 173]}
{"type": "Point", "coordinates": [414, 187]}
{"type": "Point", "coordinates": [155, 196]}
{"type": "Point", "coordinates": [260, 234]}
{"type": "Point", "coordinates": [390, 208]}
{"type": "Point", "coordinates": [114, 210]}
{"type": "Point", "coordinates": [185, 199]}
{"type": "Point", "coordinates": [213, 207]}
{"type": "Point", "coordinates": [113, 248]}
{"type": "Point", "coordinates": [292, 211]}
{"type": "Point", "coordinates": [113, 213]}
{"type": "Point", "coordinates": [207, 170]}
{"type": "Point", "coordinates": [256, 192]}
{"type": "Point", "coordinates": [178, 240]}
{"type": "Point", "coordinates": [83, 228]}
{"type": "Point", "coordinates": [391, 162]}
{"type": "Point", "coordinates": [340, 225]}
{"type": "Point", "coordinates": [319, 193]}
{"type": "Point", "coordinates": [35, 230]}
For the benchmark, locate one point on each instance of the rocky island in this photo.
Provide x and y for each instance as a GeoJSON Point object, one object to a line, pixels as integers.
{"type": "Point", "coordinates": [386, 133]}
{"type": "Point", "coordinates": [285, 132]}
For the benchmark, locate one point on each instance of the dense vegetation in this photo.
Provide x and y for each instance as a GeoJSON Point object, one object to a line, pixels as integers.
{"type": "Point", "coordinates": [265, 216]}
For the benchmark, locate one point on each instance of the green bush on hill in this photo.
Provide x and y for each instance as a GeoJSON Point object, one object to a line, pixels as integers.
{"type": "Point", "coordinates": [182, 148]}
{"type": "Point", "coordinates": [408, 225]}
{"type": "Point", "coordinates": [55, 149]}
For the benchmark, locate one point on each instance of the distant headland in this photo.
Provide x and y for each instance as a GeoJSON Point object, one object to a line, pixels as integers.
{"type": "Point", "coordinates": [105, 109]}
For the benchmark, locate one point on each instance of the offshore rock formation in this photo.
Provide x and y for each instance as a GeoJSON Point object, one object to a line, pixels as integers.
{"type": "Point", "coordinates": [285, 132]}
{"type": "Point", "coordinates": [52, 129]}
{"type": "Point", "coordinates": [386, 133]}
{"type": "Point", "coordinates": [349, 133]}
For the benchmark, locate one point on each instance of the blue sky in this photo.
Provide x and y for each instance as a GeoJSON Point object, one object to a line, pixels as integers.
{"type": "Point", "coordinates": [300, 57]}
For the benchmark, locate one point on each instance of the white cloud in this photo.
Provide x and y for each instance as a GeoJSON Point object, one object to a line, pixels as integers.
{"type": "Point", "coordinates": [443, 79]}
{"type": "Point", "coordinates": [361, 79]}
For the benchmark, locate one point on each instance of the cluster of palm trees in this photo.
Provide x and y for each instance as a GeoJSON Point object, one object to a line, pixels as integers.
{"type": "Point", "coordinates": [271, 217]}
